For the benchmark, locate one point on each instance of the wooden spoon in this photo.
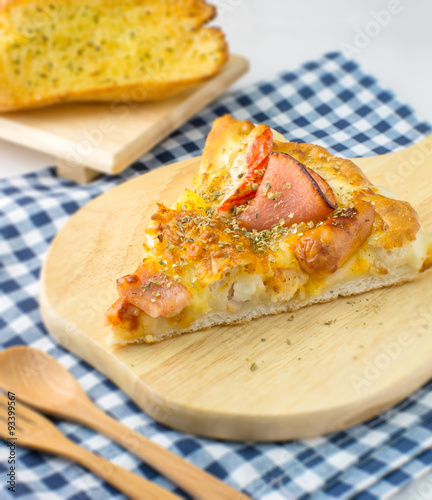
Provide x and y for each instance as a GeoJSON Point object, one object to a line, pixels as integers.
{"type": "Point", "coordinates": [42, 382]}
{"type": "Point", "coordinates": [32, 430]}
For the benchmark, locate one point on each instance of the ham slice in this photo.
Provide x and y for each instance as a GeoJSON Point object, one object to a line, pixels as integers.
{"type": "Point", "coordinates": [248, 168]}
{"type": "Point", "coordinates": [157, 294]}
{"type": "Point", "coordinates": [289, 191]}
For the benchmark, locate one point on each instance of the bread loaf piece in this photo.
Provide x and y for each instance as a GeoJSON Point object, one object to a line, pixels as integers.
{"type": "Point", "coordinates": [104, 50]}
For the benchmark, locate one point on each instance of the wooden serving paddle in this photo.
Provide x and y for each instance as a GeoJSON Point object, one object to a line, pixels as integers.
{"type": "Point", "coordinates": [324, 368]}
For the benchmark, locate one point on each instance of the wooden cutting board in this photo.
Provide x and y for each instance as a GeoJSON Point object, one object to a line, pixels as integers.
{"type": "Point", "coordinates": [88, 139]}
{"type": "Point", "coordinates": [324, 368]}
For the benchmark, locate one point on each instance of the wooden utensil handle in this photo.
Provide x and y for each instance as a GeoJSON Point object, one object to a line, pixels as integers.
{"type": "Point", "coordinates": [198, 483]}
{"type": "Point", "coordinates": [127, 482]}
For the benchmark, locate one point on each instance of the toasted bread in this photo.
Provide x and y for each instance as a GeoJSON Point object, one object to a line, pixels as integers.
{"type": "Point", "coordinates": [101, 50]}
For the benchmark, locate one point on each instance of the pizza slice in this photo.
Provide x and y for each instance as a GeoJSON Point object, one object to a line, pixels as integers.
{"type": "Point", "coordinates": [268, 226]}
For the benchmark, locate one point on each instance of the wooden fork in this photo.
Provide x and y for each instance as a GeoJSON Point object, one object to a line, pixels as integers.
{"type": "Point", "coordinates": [32, 430]}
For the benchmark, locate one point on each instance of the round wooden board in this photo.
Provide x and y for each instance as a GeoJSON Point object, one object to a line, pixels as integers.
{"type": "Point", "coordinates": [327, 367]}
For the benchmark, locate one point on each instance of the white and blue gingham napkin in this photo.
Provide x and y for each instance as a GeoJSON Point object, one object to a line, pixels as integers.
{"type": "Point", "coordinates": [330, 102]}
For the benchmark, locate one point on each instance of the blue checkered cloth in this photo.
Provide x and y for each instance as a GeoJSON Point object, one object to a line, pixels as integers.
{"type": "Point", "coordinates": [330, 102]}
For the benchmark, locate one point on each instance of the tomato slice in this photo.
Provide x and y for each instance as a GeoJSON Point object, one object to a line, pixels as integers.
{"type": "Point", "coordinates": [248, 169]}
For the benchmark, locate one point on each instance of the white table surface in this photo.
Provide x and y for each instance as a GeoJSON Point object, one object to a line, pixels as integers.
{"type": "Point", "coordinates": [282, 34]}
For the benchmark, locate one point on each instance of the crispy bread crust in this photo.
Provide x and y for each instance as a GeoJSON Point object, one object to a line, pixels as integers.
{"type": "Point", "coordinates": [207, 11]}
{"type": "Point", "coordinates": [224, 140]}
{"type": "Point", "coordinates": [225, 129]}
{"type": "Point", "coordinates": [396, 221]}
{"type": "Point", "coordinates": [139, 91]}
{"type": "Point", "coordinates": [316, 156]}
{"type": "Point", "coordinates": [120, 94]}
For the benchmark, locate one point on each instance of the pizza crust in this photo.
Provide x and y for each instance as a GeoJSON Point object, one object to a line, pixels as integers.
{"type": "Point", "coordinates": [357, 286]}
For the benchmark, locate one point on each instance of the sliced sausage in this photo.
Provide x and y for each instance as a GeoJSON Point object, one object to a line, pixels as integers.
{"type": "Point", "coordinates": [322, 250]}
{"type": "Point", "coordinates": [248, 168]}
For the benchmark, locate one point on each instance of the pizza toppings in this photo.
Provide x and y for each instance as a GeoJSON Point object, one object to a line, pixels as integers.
{"type": "Point", "coordinates": [321, 251]}
{"type": "Point", "coordinates": [291, 192]}
{"type": "Point", "coordinates": [156, 294]}
{"type": "Point", "coordinates": [123, 312]}
{"type": "Point", "coordinates": [248, 169]}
